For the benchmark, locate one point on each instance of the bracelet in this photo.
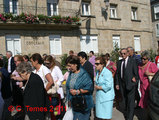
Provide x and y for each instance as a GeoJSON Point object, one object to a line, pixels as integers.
{"type": "Point", "coordinates": [76, 92]}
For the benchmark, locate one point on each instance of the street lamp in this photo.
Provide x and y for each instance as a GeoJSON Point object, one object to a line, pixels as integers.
{"type": "Point", "coordinates": [106, 4]}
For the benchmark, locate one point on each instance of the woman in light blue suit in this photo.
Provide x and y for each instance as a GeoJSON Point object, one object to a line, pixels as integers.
{"type": "Point", "coordinates": [105, 90]}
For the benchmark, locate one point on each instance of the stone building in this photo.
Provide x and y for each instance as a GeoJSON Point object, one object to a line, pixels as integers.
{"type": "Point", "coordinates": [155, 22]}
{"type": "Point", "coordinates": [102, 24]}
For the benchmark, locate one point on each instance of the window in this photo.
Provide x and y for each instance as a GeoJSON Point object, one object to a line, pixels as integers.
{"type": "Point", "coordinates": [157, 29]}
{"type": "Point", "coordinates": [52, 7]}
{"type": "Point", "coordinates": [85, 9]}
{"type": "Point", "coordinates": [11, 6]}
{"type": "Point", "coordinates": [89, 43]}
{"type": "Point", "coordinates": [116, 41]}
{"type": "Point", "coordinates": [137, 43]}
{"type": "Point", "coordinates": [156, 11]}
{"type": "Point", "coordinates": [134, 13]}
{"type": "Point", "coordinates": [113, 11]}
{"type": "Point", "coordinates": [55, 44]}
{"type": "Point", "coordinates": [13, 44]}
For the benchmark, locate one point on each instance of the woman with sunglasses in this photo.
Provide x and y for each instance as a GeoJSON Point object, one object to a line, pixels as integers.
{"type": "Point", "coordinates": [58, 78]}
{"type": "Point", "coordinates": [146, 69]}
{"type": "Point", "coordinates": [105, 90]}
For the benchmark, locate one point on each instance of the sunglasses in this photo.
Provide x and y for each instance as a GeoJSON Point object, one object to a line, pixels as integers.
{"type": "Point", "coordinates": [123, 53]}
{"type": "Point", "coordinates": [97, 64]}
{"type": "Point", "coordinates": [46, 63]}
{"type": "Point", "coordinates": [143, 58]}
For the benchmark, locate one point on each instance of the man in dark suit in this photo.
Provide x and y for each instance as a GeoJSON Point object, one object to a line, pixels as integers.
{"type": "Point", "coordinates": [127, 79]}
{"type": "Point", "coordinates": [11, 65]}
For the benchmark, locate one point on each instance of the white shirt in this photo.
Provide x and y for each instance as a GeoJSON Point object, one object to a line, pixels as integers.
{"type": "Point", "coordinates": [126, 61]}
{"type": "Point", "coordinates": [42, 72]}
{"type": "Point", "coordinates": [9, 64]}
{"type": "Point", "coordinates": [58, 77]}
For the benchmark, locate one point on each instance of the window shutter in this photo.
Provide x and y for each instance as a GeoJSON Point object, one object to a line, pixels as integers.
{"type": "Point", "coordinates": [94, 44]}
{"type": "Point", "coordinates": [6, 6]}
{"type": "Point", "coordinates": [116, 40]}
{"type": "Point", "coordinates": [89, 43]}
{"type": "Point", "coordinates": [14, 3]}
{"type": "Point", "coordinates": [13, 44]}
{"type": "Point", "coordinates": [137, 44]}
{"type": "Point", "coordinates": [55, 45]}
{"type": "Point", "coordinates": [48, 9]}
{"type": "Point", "coordinates": [10, 45]}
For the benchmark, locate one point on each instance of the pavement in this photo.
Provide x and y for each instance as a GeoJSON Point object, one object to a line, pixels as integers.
{"type": "Point", "coordinates": [140, 114]}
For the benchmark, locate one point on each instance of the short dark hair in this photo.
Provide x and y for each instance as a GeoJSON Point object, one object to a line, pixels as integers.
{"type": "Point", "coordinates": [82, 54]}
{"type": "Point", "coordinates": [1, 63]}
{"type": "Point", "coordinates": [73, 60]}
{"type": "Point", "coordinates": [91, 52]}
{"type": "Point", "coordinates": [37, 56]}
{"type": "Point", "coordinates": [101, 59]}
{"type": "Point", "coordinates": [26, 57]}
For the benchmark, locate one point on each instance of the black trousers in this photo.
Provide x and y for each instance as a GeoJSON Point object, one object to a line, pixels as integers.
{"type": "Point", "coordinates": [128, 102]}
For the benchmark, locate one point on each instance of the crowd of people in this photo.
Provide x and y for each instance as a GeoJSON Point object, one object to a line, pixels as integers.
{"type": "Point", "coordinates": [35, 85]}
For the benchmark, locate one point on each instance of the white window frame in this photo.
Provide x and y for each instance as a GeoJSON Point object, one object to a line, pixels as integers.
{"type": "Point", "coordinates": [137, 43]}
{"type": "Point", "coordinates": [113, 11]}
{"type": "Point", "coordinates": [53, 49]}
{"type": "Point", "coordinates": [52, 2]}
{"type": "Point", "coordinates": [89, 43]}
{"type": "Point", "coordinates": [116, 39]}
{"type": "Point", "coordinates": [13, 39]}
{"type": "Point", "coordinates": [11, 7]}
{"type": "Point", "coordinates": [156, 11]}
{"type": "Point", "coordinates": [157, 29]}
{"type": "Point", "coordinates": [84, 5]}
{"type": "Point", "coordinates": [133, 13]}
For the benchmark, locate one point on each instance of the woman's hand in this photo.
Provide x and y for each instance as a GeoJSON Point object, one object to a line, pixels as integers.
{"type": "Point", "coordinates": [74, 92]}
{"type": "Point", "coordinates": [98, 87]}
{"type": "Point", "coordinates": [69, 103]}
{"type": "Point", "coordinates": [147, 72]}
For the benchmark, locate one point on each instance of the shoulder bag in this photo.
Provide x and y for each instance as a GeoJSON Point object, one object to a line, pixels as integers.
{"type": "Point", "coordinates": [53, 88]}
{"type": "Point", "coordinates": [149, 76]}
{"type": "Point", "coordinates": [79, 103]}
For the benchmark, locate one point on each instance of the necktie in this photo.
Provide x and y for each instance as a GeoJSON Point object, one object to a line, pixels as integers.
{"type": "Point", "coordinates": [123, 68]}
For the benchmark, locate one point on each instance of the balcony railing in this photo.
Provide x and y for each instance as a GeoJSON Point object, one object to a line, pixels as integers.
{"type": "Point", "coordinates": [38, 10]}
{"type": "Point", "coordinates": [32, 15]}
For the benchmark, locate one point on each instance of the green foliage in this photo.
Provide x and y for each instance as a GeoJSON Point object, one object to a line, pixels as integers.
{"type": "Point", "coordinates": [30, 18]}
{"type": "Point", "coordinates": [63, 59]}
{"type": "Point", "coordinates": [152, 55]}
{"type": "Point", "coordinates": [115, 53]}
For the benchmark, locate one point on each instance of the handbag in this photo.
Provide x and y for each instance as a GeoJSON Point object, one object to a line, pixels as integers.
{"type": "Point", "coordinates": [149, 76]}
{"type": "Point", "coordinates": [53, 89]}
{"type": "Point", "coordinates": [79, 103]}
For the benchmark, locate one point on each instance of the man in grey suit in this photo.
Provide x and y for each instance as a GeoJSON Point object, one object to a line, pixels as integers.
{"type": "Point", "coordinates": [127, 79]}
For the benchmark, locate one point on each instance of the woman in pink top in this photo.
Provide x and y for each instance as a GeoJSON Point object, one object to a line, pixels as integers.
{"type": "Point", "coordinates": [145, 69]}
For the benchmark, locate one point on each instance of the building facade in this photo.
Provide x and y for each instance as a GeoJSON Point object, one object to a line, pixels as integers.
{"type": "Point", "coordinates": [155, 22]}
{"type": "Point", "coordinates": [103, 23]}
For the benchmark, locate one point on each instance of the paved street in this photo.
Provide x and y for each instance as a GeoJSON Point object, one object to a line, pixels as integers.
{"type": "Point", "coordinates": [117, 115]}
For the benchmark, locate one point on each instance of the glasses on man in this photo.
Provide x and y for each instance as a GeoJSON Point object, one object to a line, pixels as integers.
{"type": "Point", "coordinates": [97, 64]}
{"type": "Point", "coordinates": [123, 53]}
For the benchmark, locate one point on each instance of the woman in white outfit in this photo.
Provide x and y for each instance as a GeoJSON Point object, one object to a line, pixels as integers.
{"type": "Point", "coordinates": [44, 73]}
{"type": "Point", "coordinates": [57, 75]}
{"type": "Point", "coordinates": [1, 99]}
